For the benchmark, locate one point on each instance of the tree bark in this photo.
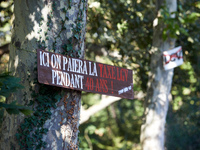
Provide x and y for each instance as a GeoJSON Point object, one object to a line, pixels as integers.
{"type": "Point", "coordinates": [159, 87]}
{"type": "Point", "coordinates": [48, 25]}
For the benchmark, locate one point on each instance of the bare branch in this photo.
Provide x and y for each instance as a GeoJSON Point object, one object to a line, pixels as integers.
{"type": "Point", "coordinates": [105, 102]}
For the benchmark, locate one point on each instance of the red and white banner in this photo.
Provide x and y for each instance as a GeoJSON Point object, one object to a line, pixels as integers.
{"type": "Point", "coordinates": [173, 58]}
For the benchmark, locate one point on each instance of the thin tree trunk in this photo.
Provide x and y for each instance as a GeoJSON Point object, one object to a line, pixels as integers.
{"type": "Point", "coordinates": [49, 25]}
{"type": "Point", "coordinates": [159, 87]}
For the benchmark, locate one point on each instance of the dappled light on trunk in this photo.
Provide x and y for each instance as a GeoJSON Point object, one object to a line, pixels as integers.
{"type": "Point", "coordinates": [159, 87]}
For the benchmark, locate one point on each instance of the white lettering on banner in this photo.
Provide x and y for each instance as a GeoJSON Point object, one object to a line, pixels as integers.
{"type": "Point", "coordinates": [94, 72]}
{"type": "Point", "coordinates": [124, 90]}
{"type": "Point", "coordinates": [65, 79]}
{"type": "Point", "coordinates": [84, 68]}
{"type": "Point", "coordinates": [69, 64]}
{"type": "Point", "coordinates": [42, 59]}
{"type": "Point", "coordinates": [75, 65]}
{"type": "Point", "coordinates": [56, 61]}
{"type": "Point", "coordinates": [64, 62]}
{"type": "Point", "coordinates": [80, 63]}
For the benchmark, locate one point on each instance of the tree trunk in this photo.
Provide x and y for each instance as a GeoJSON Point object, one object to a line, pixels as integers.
{"type": "Point", "coordinates": [53, 25]}
{"type": "Point", "coordinates": [159, 87]}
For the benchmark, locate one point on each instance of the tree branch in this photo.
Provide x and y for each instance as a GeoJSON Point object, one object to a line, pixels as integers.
{"type": "Point", "coordinates": [105, 102]}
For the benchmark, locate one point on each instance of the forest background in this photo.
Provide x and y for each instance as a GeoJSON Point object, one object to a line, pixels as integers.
{"type": "Point", "coordinates": [120, 32]}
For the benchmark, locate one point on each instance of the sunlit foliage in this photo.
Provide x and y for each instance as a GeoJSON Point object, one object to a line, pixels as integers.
{"type": "Point", "coordinates": [120, 32]}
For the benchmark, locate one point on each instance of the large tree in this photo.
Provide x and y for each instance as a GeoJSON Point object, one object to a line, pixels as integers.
{"type": "Point", "coordinates": [53, 25]}
{"type": "Point", "coordinates": [159, 85]}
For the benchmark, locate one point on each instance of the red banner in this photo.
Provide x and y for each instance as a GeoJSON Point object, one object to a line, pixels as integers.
{"type": "Point", "coordinates": [79, 74]}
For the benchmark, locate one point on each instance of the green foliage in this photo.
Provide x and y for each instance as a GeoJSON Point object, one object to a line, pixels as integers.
{"type": "Point", "coordinates": [14, 108]}
{"type": "Point", "coordinates": [177, 25]}
{"type": "Point", "coordinates": [31, 131]}
{"type": "Point", "coordinates": [125, 27]}
{"type": "Point", "coordinates": [116, 127]}
{"type": "Point", "coordinates": [8, 85]}
{"type": "Point", "coordinates": [183, 125]}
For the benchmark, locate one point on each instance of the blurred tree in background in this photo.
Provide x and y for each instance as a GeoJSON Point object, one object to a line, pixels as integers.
{"type": "Point", "coordinates": [120, 32]}
{"type": "Point", "coordinates": [159, 84]}
{"type": "Point", "coordinates": [6, 11]}
{"type": "Point", "coordinates": [183, 125]}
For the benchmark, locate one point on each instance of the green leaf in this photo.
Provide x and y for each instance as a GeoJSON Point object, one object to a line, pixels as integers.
{"type": "Point", "coordinates": [191, 18]}
{"type": "Point", "coordinates": [69, 47]}
{"type": "Point", "coordinates": [9, 84]}
{"type": "Point", "coordinates": [26, 112]}
{"type": "Point", "coordinates": [17, 135]}
{"type": "Point", "coordinates": [12, 111]}
{"type": "Point", "coordinates": [197, 5]}
{"type": "Point", "coordinates": [182, 30]}
{"type": "Point", "coordinates": [58, 97]}
{"type": "Point", "coordinates": [13, 108]}
{"type": "Point", "coordinates": [76, 36]}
